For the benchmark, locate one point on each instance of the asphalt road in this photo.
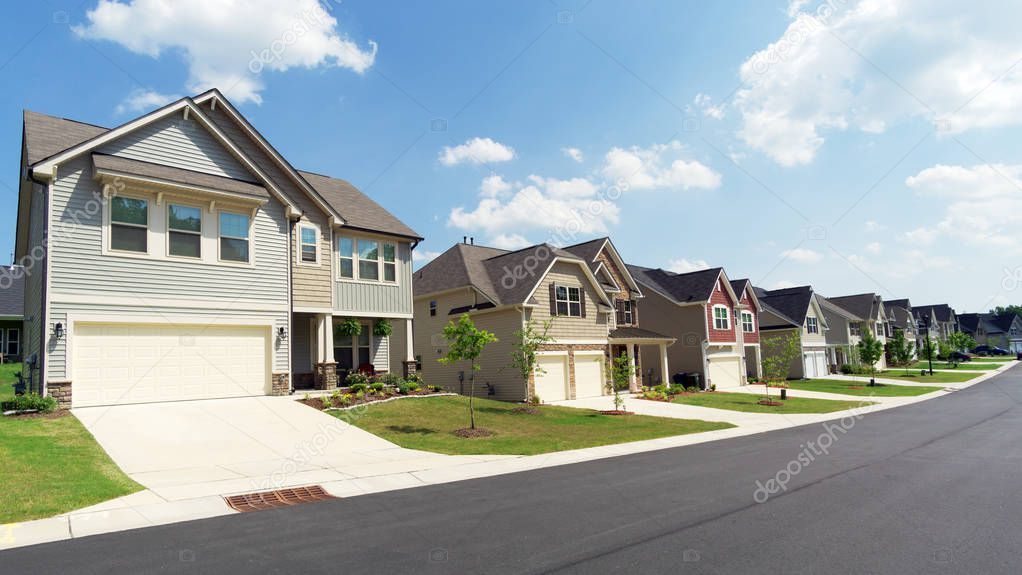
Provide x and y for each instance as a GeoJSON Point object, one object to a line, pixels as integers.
{"type": "Point", "coordinates": [934, 487]}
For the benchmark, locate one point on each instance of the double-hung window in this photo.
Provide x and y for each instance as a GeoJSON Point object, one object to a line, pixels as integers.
{"type": "Point", "coordinates": [309, 240]}
{"type": "Point", "coordinates": [854, 329]}
{"type": "Point", "coordinates": [346, 252]}
{"type": "Point", "coordinates": [13, 346]}
{"type": "Point", "coordinates": [812, 326]}
{"type": "Point", "coordinates": [747, 322]}
{"type": "Point", "coordinates": [234, 237]}
{"type": "Point", "coordinates": [568, 301]}
{"type": "Point", "coordinates": [721, 319]}
{"type": "Point", "coordinates": [626, 312]}
{"type": "Point", "coordinates": [129, 224]}
{"type": "Point", "coordinates": [389, 263]}
{"type": "Point", "coordinates": [184, 231]}
{"type": "Point", "coordinates": [369, 260]}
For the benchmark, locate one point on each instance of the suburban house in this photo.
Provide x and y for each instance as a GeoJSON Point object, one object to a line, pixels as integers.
{"type": "Point", "coordinates": [928, 327]}
{"type": "Point", "coordinates": [996, 330]}
{"type": "Point", "coordinates": [180, 256]}
{"type": "Point", "coordinates": [900, 317]}
{"type": "Point", "coordinates": [12, 312]}
{"type": "Point", "coordinates": [842, 334]}
{"type": "Point", "coordinates": [794, 311]}
{"type": "Point", "coordinates": [709, 319]}
{"type": "Point", "coordinates": [944, 320]}
{"type": "Point", "coordinates": [869, 307]}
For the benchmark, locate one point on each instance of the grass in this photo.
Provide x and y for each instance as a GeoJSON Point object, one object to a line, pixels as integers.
{"type": "Point", "coordinates": [750, 402]}
{"type": "Point", "coordinates": [937, 377]}
{"type": "Point", "coordinates": [968, 365]}
{"type": "Point", "coordinates": [51, 465]}
{"type": "Point", "coordinates": [845, 387]}
{"type": "Point", "coordinates": [996, 358]}
{"type": "Point", "coordinates": [428, 424]}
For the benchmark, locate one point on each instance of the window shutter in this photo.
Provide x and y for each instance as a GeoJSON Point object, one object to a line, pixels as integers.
{"type": "Point", "coordinates": [582, 300]}
{"type": "Point", "coordinates": [620, 311]}
{"type": "Point", "coordinates": [553, 300]}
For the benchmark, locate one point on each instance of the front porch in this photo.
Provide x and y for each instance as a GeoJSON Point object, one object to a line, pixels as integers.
{"type": "Point", "coordinates": [626, 341]}
{"type": "Point", "coordinates": [327, 347]}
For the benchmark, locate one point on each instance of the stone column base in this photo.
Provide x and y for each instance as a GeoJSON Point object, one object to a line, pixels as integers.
{"type": "Point", "coordinates": [410, 368]}
{"type": "Point", "coordinates": [326, 375]}
{"type": "Point", "coordinates": [61, 391]}
{"type": "Point", "coordinates": [280, 384]}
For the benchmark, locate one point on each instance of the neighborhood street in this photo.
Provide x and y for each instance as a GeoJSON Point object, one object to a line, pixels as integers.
{"type": "Point", "coordinates": [926, 488]}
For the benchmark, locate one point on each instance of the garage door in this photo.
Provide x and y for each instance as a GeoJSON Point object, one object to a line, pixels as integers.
{"type": "Point", "coordinates": [552, 383]}
{"type": "Point", "coordinates": [588, 375]}
{"type": "Point", "coordinates": [138, 363]}
{"type": "Point", "coordinates": [725, 371]}
{"type": "Point", "coordinates": [815, 363]}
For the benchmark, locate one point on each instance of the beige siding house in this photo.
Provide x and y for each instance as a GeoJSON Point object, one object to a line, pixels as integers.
{"type": "Point", "coordinates": [872, 314]}
{"type": "Point", "coordinates": [795, 312]}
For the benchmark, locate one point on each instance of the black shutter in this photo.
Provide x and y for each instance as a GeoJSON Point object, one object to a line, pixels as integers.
{"type": "Point", "coordinates": [582, 300]}
{"type": "Point", "coordinates": [553, 300]}
{"type": "Point", "coordinates": [620, 311]}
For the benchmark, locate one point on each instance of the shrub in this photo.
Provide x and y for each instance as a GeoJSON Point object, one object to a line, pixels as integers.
{"type": "Point", "coordinates": [847, 369]}
{"type": "Point", "coordinates": [416, 378]}
{"type": "Point", "coordinates": [655, 395]}
{"type": "Point", "coordinates": [376, 386]}
{"type": "Point", "coordinates": [534, 400]}
{"type": "Point", "coordinates": [412, 386]}
{"type": "Point", "coordinates": [692, 389]}
{"type": "Point", "coordinates": [660, 388]}
{"type": "Point", "coordinates": [382, 328]}
{"type": "Point", "coordinates": [360, 395]}
{"type": "Point", "coordinates": [676, 389]}
{"type": "Point", "coordinates": [391, 379]}
{"type": "Point", "coordinates": [359, 387]}
{"type": "Point", "coordinates": [438, 389]}
{"type": "Point", "coordinates": [345, 400]}
{"type": "Point", "coordinates": [356, 377]}
{"type": "Point", "coordinates": [713, 387]}
{"type": "Point", "coordinates": [327, 401]}
{"type": "Point", "coordinates": [403, 389]}
{"type": "Point", "coordinates": [35, 401]}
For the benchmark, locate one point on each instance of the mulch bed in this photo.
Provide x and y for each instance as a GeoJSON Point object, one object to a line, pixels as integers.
{"type": "Point", "coordinates": [616, 412]}
{"type": "Point", "coordinates": [318, 403]}
{"type": "Point", "coordinates": [468, 433]}
{"type": "Point", "coordinates": [36, 415]}
{"type": "Point", "coordinates": [770, 403]}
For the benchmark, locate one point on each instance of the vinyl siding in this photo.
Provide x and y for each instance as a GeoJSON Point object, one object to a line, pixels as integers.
{"type": "Point", "coordinates": [813, 339]}
{"type": "Point", "coordinates": [301, 344]}
{"type": "Point", "coordinates": [355, 297]}
{"type": "Point", "coordinates": [684, 323]}
{"type": "Point", "coordinates": [595, 326]}
{"type": "Point", "coordinates": [771, 344]}
{"type": "Point", "coordinates": [35, 268]}
{"type": "Point", "coordinates": [398, 341]}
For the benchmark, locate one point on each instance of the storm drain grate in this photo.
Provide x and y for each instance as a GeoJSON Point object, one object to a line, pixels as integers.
{"type": "Point", "coordinates": [279, 498]}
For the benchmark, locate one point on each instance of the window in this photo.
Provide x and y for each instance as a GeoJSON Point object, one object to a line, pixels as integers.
{"type": "Point", "coordinates": [352, 352]}
{"type": "Point", "coordinates": [721, 319]}
{"type": "Point", "coordinates": [568, 301]}
{"type": "Point", "coordinates": [879, 329]}
{"type": "Point", "coordinates": [184, 231]}
{"type": "Point", "coordinates": [346, 252]}
{"type": "Point", "coordinates": [368, 260]}
{"type": "Point", "coordinates": [13, 341]}
{"type": "Point", "coordinates": [854, 329]}
{"type": "Point", "coordinates": [432, 308]}
{"type": "Point", "coordinates": [812, 326]}
{"type": "Point", "coordinates": [747, 322]}
{"type": "Point", "coordinates": [626, 312]}
{"type": "Point", "coordinates": [233, 237]}
{"type": "Point", "coordinates": [129, 224]}
{"type": "Point", "coordinates": [309, 242]}
{"type": "Point", "coordinates": [389, 262]}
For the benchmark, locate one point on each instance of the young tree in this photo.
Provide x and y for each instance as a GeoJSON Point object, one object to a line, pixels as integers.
{"type": "Point", "coordinates": [526, 348]}
{"type": "Point", "coordinates": [465, 343]}
{"type": "Point", "coordinates": [779, 352]}
{"type": "Point", "coordinates": [929, 350]}
{"type": "Point", "coordinates": [959, 341]}
{"type": "Point", "coordinates": [619, 374]}
{"type": "Point", "coordinates": [870, 352]}
{"type": "Point", "coordinates": [900, 349]}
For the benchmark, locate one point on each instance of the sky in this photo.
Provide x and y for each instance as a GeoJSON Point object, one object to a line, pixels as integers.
{"type": "Point", "coordinates": [854, 146]}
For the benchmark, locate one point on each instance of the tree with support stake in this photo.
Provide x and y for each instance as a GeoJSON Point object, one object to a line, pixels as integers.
{"type": "Point", "coordinates": [870, 352]}
{"type": "Point", "coordinates": [466, 343]}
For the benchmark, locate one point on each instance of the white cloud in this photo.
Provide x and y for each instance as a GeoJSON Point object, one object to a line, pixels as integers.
{"type": "Point", "coordinates": [832, 70]}
{"type": "Point", "coordinates": [783, 284]}
{"type": "Point", "coordinates": [682, 265]}
{"type": "Point", "coordinates": [144, 101]}
{"type": "Point", "coordinates": [920, 236]}
{"type": "Point", "coordinates": [653, 168]}
{"type": "Point", "coordinates": [705, 105]}
{"type": "Point", "coordinates": [574, 154]}
{"type": "Point", "coordinates": [228, 45]}
{"type": "Point", "coordinates": [802, 255]}
{"type": "Point", "coordinates": [477, 151]}
{"type": "Point", "coordinates": [873, 226]}
{"type": "Point", "coordinates": [424, 256]}
{"type": "Point", "coordinates": [509, 242]}
{"type": "Point", "coordinates": [494, 186]}
{"type": "Point", "coordinates": [874, 248]}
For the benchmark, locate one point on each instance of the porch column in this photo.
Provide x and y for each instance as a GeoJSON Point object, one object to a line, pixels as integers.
{"type": "Point", "coordinates": [409, 363]}
{"type": "Point", "coordinates": [633, 384]}
{"type": "Point", "coordinates": [325, 368]}
{"type": "Point", "coordinates": [665, 374]}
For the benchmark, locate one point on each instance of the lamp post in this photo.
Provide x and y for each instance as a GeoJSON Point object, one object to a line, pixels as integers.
{"type": "Point", "coordinates": [925, 323]}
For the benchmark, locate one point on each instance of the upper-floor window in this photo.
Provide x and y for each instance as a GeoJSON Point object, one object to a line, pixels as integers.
{"type": "Point", "coordinates": [879, 329]}
{"type": "Point", "coordinates": [748, 325]}
{"type": "Point", "coordinates": [626, 312]}
{"type": "Point", "coordinates": [129, 224]}
{"type": "Point", "coordinates": [812, 325]}
{"type": "Point", "coordinates": [568, 301]}
{"type": "Point", "coordinates": [234, 237]}
{"type": "Point", "coordinates": [184, 231]}
{"type": "Point", "coordinates": [854, 329]}
{"type": "Point", "coordinates": [721, 318]}
{"type": "Point", "coordinates": [308, 237]}
{"type": "Point", "coordinates": [366, 259]}
{"type": "Point", "coordinates": [432, 307]}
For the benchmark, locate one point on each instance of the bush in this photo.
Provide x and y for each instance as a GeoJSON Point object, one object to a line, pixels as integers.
{"type": "Point", "coordinates": [360, 395]}
{"type": "Point", "coordinates": [391, 379]}
{"type": "Point", "coordinates": [676, 389]}
{"type": "Point", "coordinates": [356, 377]}
{"type": "Point", "coordinates": [412, 386]}
{"type": "Point", "coordinates": [35, 401]}
{"type": "Point", "coordinates": [847, 369]}
{"type": "Point", "coordinates": [359, 387]}
{"type": "Point", "coordinates": [403, 389]}
{"type": "Point", "coordinates": [376, 386]}
{"type": "Point", "coordinates": [692, 389]}
{"type": "Point", "coordinates": [416, 378]}
{"type": "Point", "coordinates": [660, 388]}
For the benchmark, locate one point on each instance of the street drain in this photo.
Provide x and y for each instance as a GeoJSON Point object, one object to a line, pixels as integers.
{"type": "Point", "coordinates": [279, 498]}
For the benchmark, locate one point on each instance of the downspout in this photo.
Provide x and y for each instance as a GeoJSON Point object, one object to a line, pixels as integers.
{"type": "Point", "coordinates": [290, 301]}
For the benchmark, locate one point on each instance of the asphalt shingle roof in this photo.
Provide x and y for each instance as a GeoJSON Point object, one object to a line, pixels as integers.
{"type": "Point", "coordinates": [159, 171]}
{"type": "Point", "coordinates": [863, 305]}
{"type": "Point", "coordinates": [682, 288]}
{"type": "Point", "coordinates": [12, 291]}
{"type": "Point", "coordinates": [791, 303]}
{"type": "Point", "coordinates": [942, 311]}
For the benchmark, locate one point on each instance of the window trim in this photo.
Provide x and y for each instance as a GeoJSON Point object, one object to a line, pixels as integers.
{"type": "Point", "coordinates": [568, 301]}
{"type": "Point", "coordinates": [202, 226]}
{"type": "Point", "coordinates": [298, 238]}
{"type": "Point", "coordinates": [627, 312]}
{"type": "Point", "coordinates": [219, 235]}
{"type": "Point", "coordinates": [109, 220]}
{"type": "Point", "coordinates": [432, 308]}
{"type": "Point", "coordinates": [7, 340]}
{"type": "Point", "coordinates": [381, 262]}
{"type": "Point", "coordinates": [751, 322]}
{"type": "Point", "coordinates": [815, 329]}
{"type": "Point", "coordinates": [726, 317]}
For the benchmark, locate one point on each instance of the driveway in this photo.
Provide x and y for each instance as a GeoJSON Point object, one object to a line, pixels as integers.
{"type": "Point", "coordinates": [190, 449]}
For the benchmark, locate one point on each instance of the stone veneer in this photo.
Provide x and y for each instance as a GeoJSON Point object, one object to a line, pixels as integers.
{"type": "Point", "coordinates": [61, 391]}
{"type": "Point", "coordinates": [280, 384]}
{"type": "Point", "coordinates": [326, 375]}
{"type": "Point", "coordinates": [410, 368]}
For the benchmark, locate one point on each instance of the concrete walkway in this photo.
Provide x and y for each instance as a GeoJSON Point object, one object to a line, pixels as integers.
{"type": "Point", "coordinates": [191, 454]}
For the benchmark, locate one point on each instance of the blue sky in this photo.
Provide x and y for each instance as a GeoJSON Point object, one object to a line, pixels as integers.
{"type": "Point", "coordinates": [855, 146]}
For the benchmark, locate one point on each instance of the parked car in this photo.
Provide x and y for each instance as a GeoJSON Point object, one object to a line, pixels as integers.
{"type": "Point", "coordinates": [959, 356]}
{"type": "Point", "coordinates": [990, 350]}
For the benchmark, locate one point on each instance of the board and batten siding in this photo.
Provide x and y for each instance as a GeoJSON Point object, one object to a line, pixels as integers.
{"type": "Point", "coordinates": [353, 297]}
{"type": "Point", "coordinates": [311, 285]}
{"type": "Point", "coordinates": [595, 326]}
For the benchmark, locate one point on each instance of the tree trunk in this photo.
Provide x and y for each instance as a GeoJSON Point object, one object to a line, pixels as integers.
{"type": "Point", "coordinates": [471, 400]}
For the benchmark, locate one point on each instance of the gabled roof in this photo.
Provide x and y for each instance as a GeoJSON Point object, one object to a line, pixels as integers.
{"type": "Point", "coordinates": [740, 286]}
{"type": "Point", "coordinates": [901, 318]}
{"type": "Point", "coordinates": [12, 297]}
{"type": "Point", "coordinates": [791, 304]}
{"type": "Point", "coordinates": [116, 165]}
{"type": "Point", "coordinates": [830, 306]}
{"type": "Point", "coordinates": [358, 210]}
{"type": "Point", "coordinates": [969, 322]}
{"type": "Point", "coordinates": [591, 249]}
{"type": "Point", "coordinates": [902, 303]}
{"type": "Point", "coordinates": [692, 287]}
{"type": "Point", "coordinates": [46, 136]}
{"type": "Point", "coordinates": [1002, 321]}
{"type": "Point", "coordinates": [864, 305]}
{"type": "Point", "coordinates": [493, 272]}
{"type": "Point", "coordinates": [942, 311]}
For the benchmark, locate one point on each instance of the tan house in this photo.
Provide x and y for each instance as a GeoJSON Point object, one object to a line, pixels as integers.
{"type": "Point", "coordinates": [795, 311]}
{"type": "Point", "coordinates": [842, 334]}
{"type": "Point", "coordinates": [869, 307]}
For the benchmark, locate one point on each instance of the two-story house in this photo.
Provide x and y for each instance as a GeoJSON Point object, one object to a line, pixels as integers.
{"type": "Point", "coordinates": [901, 318]}
{"type": "Point", "coordinates": [996, 330]}
{"type": "Point", "coordinates": [703, 312]}
{"type": "Point", "coordinates": [870, 308]}
{"type": "Point", "coordinates": [842, 334]}
{"type": "Point", "coordinates": [943, 318]}
{"type": "Point", "coordinates": [794, 312]}
{"type": "Point", "coordinates": [179, 256]}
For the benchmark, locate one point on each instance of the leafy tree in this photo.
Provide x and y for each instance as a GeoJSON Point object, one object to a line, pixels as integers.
{"type": "Point", "coordinates": [870, 351]}
{"type": "Point", "coordinates": [778, 354]}
{"type": "Point", "coordinates": [526, 348]}
{"type": "Point", "coordinates": [944, 349]}
{"type": "Point", "coordinates": [620, 374]}
{"type": "Point", "coordinates": [1015, 309]}
{"type": "Point", "coordinates": [959, 341]}
{"type": "Point", "coordinates": [900, 349]}
{"type": "Point", "coordinates": [929, 350]}
{"type": "Point", "coordinates": [465, 343]}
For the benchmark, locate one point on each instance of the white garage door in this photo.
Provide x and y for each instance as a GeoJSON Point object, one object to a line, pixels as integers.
{"type": "Point", "coordinates": [815, 363]}
{"type": "Point", "coordinates": [552, 383]}
{"type": "Point", "coordinates": [588, 375]}
{"type": "Point", "coordinates": [725, 371]}
{"type": "Point", "coordinates": [138, 363]}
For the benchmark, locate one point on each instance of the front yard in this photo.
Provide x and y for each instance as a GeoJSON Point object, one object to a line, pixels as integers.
{"type": "Point", "coordinates": [846, 387]}
{"type": "Point", "coordinates": [429, 424]}
{"type": "Point", "coordinates": [750, 402]}
{"type": "Point", "coordinates": [968, 365]}
{"type": "Point", "coordinates": [51, 464]}
{"type": "Point", "coordinates": [937, 377]}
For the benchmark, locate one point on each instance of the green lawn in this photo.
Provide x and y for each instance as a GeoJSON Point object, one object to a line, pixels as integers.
{"type": "Point", "coordinates": [859, 387]}
{"type": "Point", "coordinates": [974, 366]}
{"type": "Point", "coordinates": [7, 379]}
{"type": "Point", "coordinates": [429, 423]}
{"type": "Point", "coordinates": [937, 377]}
{"type": "Point", "coordinates": [750, 402]}
{"type": "Point", "coordinates": [999, 359]}
{"type": "Point", "coordinates": [51, 466]}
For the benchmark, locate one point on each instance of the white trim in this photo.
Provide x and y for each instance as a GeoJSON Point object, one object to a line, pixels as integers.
{"type": "Point", "coordinates": [375, 314]}
{"type": "Point", "coordinates": [568, 301]}
{"type": "Point", "coordinates": [150, 302]}
{"type": "Point", "coordinates": [585, 269]}
{"type": "Point", "coordinates": [578, 342]}
{"type": "Point", "coordinates": [7, 340]}
{"type": "Point", "coordinates": [727, 316]}
{"type": "Point", "coordinates": [381, 263]}
{"type": "Point", "coordinates": [590, 352]}
{"type": "Point", "coordinates": [251, 238]}
{"type": "Point", "coordinates": [104, 175]}
{"type": "Point", "coordinates": [319, 238]}
{"type": "Point", "coordinates": [752, 316]}
{"type": "Point", "coordinates": [202, 227]}
{"type": "Point", "coordinates": [108, 224]}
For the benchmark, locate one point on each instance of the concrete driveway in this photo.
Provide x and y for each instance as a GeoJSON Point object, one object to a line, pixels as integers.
{"type": "Point", "coordinates": [190, 449]}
